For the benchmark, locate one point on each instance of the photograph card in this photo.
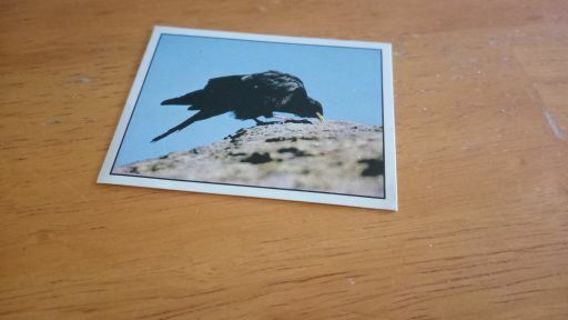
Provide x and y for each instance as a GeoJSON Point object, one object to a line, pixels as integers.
{"type": "Point", "coordinates": [279, 117]}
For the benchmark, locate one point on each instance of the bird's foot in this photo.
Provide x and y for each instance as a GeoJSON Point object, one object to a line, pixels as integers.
{"type": "Point", "coordinates": [282, 119]}
{"type": "Point", "coordinates": [298, 121]}
{"type": "Point", "coordinates": [292, 120]}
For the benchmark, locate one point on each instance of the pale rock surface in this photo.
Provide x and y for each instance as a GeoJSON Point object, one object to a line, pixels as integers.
{"type": "Point", "coordinates": [332, 156]}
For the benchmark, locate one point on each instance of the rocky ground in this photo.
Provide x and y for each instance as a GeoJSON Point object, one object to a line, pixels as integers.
{"type": "Point", "coordinates": [332, 156]}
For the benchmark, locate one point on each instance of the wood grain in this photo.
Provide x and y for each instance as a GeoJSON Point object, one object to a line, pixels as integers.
{"type": "Point", "coordinates": [482, 116]}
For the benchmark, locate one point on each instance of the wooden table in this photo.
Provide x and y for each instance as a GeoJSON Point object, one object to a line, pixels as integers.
{"type": "Point", "coordinates": [482, 126]}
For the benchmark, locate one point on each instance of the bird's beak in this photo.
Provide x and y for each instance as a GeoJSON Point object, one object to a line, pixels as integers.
{"type": "Point", "coordinates": [320, 116]}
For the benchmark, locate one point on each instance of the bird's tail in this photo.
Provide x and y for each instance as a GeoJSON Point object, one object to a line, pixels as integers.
{"type": "Point", "coordinates": [186, 99]}
{"type": "Point", "coordinates": [196, 117]}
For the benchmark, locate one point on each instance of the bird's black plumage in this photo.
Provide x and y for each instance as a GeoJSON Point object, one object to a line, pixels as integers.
{"type": "Point", "coordinates": [248, 97]}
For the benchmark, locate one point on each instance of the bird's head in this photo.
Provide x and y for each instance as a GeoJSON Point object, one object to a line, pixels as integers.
{"type": "Point", "coordinates": [313, 109]}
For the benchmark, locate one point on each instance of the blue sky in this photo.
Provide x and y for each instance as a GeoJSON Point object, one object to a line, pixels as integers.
{"type": "Point", "coordinates": [346, 81]}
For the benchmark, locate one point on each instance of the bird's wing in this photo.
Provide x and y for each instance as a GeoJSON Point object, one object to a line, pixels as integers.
{"type": "Point", "coordinates": [275, 81]}
{"type": "Point", "coordinates": [216, 90]}
{"type": "Point", "coordinates": [277, 88]}
{"type": "Point", "coordinates": [223, 84]}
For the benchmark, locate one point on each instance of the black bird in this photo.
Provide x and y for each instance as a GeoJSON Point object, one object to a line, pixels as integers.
{"type": "Point", "coordinates": [248, 97]}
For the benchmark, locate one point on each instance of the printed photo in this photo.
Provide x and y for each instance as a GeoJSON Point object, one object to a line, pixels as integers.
{"type": "Point", "coordinates": [263, 116]}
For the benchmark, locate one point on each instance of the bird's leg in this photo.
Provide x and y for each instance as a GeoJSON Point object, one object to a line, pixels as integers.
{"type": "Point", "coordinates": [263, 123]}
{"type": "Point", "coordinates": [258, 122]}
{"type": "Point", "coordinates": [282, 119]}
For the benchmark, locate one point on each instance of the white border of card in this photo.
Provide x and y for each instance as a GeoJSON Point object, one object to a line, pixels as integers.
{"type": "Point", "coordinates": [390, 200]}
